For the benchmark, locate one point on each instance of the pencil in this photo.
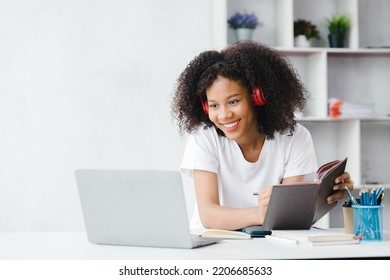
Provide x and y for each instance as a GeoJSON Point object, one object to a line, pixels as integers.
{"type": "Point", "coordinates": [353, 200]}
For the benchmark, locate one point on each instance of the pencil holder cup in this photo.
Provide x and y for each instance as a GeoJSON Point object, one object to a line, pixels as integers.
{"type": "Point", "coordinates": [368, 222]}
{"type": "Point", "coordinates": [348, 218]}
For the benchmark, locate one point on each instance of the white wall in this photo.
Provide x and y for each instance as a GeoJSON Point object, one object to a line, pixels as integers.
{"type": "Point", "coordinates": [87, 84]}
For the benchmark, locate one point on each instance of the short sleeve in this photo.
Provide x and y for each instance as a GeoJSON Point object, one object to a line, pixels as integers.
{"type": "Point", "coordinates": [201, 151]}
{"type": "Point", "coordinates": [301, 158]}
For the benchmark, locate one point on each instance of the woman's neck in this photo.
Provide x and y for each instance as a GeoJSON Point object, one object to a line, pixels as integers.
{"type": "Point", "coordinates": [252, 147]}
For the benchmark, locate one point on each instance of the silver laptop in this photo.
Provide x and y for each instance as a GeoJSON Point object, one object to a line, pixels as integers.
{"type": "Point", "coordinates": [137, 208]}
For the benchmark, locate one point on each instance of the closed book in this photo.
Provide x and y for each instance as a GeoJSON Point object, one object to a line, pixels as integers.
{"type": "Point", "coordinates": [314, 235]}
{"type": "Point", "coordinates": [330, 243]}
{"type": "Point", "coordinates": [226, 234]}
{"type": "Point", "coordinates": [311, 243]}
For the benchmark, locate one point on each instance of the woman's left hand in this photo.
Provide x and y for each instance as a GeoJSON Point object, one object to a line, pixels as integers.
{"type": "Point", "coordinates": [341, 183]}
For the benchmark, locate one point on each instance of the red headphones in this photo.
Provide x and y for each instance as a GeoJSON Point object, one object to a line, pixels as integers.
{"type": "Point", "coordinates": [257, 95]}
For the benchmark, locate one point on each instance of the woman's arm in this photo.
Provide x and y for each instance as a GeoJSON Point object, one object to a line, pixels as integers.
{"type": "Point", "coordinates": [293, 179]}
{"type": "Point", "coordinates": [265, 194]}
{"type": "Point", "coordinates": [212, 214]}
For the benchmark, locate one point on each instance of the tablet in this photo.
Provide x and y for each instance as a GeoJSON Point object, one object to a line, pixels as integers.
{"type": "Point", "coordinates": [291, 206]}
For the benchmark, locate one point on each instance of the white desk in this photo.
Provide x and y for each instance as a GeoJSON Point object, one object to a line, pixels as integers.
{"type": "Point", "coordinates": [75, 246]}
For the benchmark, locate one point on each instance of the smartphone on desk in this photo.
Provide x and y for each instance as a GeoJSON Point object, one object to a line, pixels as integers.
{"type": "Point", "coordinates": [256, 231]}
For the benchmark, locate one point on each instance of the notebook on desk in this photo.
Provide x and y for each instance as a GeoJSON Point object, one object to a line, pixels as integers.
{"type": "Point", "coordinates": [137, 208]}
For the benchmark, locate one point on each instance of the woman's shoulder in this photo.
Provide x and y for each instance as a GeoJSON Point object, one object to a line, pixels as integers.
{"type": "Point", "coordinates": [203, 130]}
{"type": "Point", "coordinates": [301, 130]}
{"type": "Point", "coordinates": [298, 132]}
{"type": "Point", "coordinates": [208, 134]}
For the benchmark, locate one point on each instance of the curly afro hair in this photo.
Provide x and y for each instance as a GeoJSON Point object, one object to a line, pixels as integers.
{"type": "Point", "coordinates": [252, 65]}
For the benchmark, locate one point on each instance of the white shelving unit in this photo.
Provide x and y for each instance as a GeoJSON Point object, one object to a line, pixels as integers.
{"type": "Point", "coordinates": [359, 73]}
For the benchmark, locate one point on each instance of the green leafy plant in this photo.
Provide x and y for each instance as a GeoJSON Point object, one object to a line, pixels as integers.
{"type": "Point", "coordinates": [338, 25]}
{"type": "Point", "coordinates": [305, 27]}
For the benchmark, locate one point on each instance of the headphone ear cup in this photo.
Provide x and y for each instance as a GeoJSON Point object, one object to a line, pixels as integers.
{"type": "Point", "coordinates": [258, 96]}
{"type": "Point", "coordinates": [205, 107]}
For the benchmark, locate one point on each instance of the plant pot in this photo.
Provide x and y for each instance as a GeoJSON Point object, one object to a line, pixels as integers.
{"type": "Point", "coordinates": [336, 41]}
{"type": "Point", "coordinates": [302, 42]}
{"type": "Point", "coordinates": [243, 34]}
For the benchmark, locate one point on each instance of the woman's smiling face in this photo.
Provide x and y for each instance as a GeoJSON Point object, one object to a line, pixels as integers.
{"type": "Point", "coordinates": [231, 109]}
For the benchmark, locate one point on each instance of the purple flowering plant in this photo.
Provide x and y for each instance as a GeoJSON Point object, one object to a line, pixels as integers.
{"type": "Point", "coordinates": [244, 20]}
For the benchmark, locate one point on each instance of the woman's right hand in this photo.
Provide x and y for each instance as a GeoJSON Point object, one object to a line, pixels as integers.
{"type": "Point", "coordinates": [263, 201]}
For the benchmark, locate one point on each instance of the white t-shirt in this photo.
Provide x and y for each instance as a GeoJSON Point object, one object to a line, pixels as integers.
{"type": "Point", "coordinates": [284, 156]}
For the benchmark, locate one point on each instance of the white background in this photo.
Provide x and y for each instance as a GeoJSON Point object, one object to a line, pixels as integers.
{"type": "Point", "coordinates": [87, 84]}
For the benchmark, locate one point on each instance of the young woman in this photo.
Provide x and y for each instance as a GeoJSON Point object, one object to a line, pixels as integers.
{"type": "Point", "coordinates": [238, 106]}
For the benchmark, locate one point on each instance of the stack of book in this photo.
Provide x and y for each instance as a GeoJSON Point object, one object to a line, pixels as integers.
{"type": "Point", "coordinates": [361, 110]}
{"type": "Point", "coordinates": [313, 237]}
{"type": "Point", "coordinates": [338, 108]}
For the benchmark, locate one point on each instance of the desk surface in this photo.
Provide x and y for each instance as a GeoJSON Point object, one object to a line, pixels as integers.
{"type": "Point", "coordinates": [75, 246]}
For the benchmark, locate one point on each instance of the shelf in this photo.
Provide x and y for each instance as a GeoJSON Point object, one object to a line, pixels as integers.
{"type": "Point", "coordinates": [370, 186]}
{"type": "Point", "coordinates": [355, 74]}
{"type": "Point", "coordinates": [278, 17]}
{"type": "Point", "coordinates": [341, 119]}
{"type": "Point", "coordinates": [358, 52]}
{"type": "Point", "coordinates": [335, 51]}
{"type": "Point", "coordinates": [384, 120]}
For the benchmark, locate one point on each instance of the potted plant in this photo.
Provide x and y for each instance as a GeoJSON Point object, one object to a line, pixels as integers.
{"type": "Point", "coordinates": [304, 31]}
{"type": "Point", "coordinates": [243, 25]}
{"type": "Point", "coordinates": [338, 26]}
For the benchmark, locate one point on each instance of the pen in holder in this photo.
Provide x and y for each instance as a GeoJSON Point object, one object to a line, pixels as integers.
{"type": "Point", "coordinates": [368, 221]}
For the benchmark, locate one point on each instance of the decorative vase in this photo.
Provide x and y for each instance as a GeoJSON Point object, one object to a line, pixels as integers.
{"type": "Point", "coordinates": [336, 41]}
{"type": "Point", "coordinates": [243, 34]}
{"type": "Point", "coordinates": [302, 42]}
